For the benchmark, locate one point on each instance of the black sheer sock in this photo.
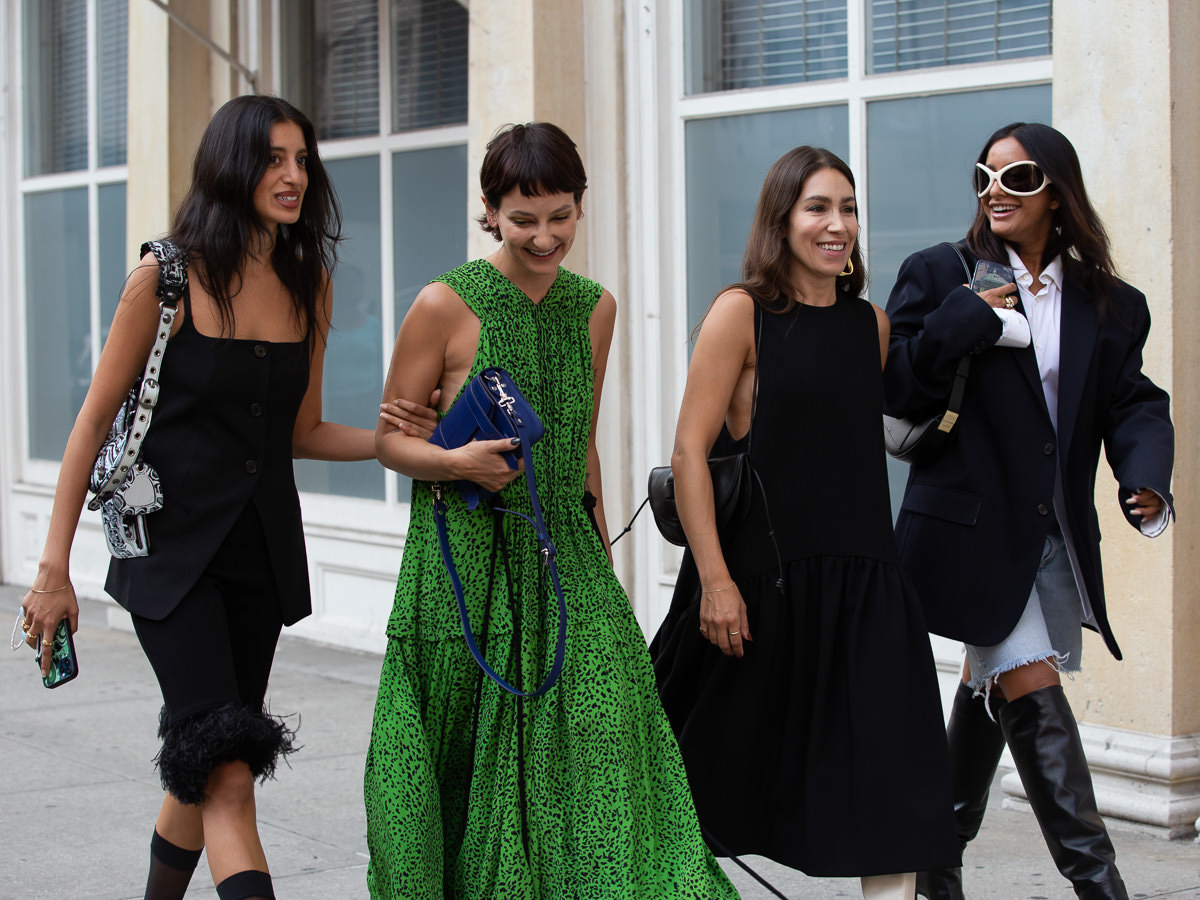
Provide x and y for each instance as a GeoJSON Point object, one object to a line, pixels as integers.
{"type": "Point", "coordinates": [248, 885]}
{"type": "Point", "coordinates": [171, 869]}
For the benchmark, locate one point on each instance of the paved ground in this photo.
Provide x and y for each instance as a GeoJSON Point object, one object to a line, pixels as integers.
{"type": "Point", "coordinates": [78, 795]}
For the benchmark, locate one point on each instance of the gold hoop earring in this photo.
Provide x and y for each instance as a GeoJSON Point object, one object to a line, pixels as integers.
{"type": "Point", "coordinates": [849, 267]}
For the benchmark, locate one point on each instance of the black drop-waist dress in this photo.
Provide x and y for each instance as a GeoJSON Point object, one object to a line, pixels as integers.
{"type": "Point", "coordinates": [824, 747]}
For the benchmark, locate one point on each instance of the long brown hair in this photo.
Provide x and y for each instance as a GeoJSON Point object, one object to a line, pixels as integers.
{"type": "Point", "coordinates": [767, 261]}
{"type": "Point", "coordinates": [1077, 234]}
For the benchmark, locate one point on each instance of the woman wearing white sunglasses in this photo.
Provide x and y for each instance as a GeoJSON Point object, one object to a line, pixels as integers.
{"type": "Point", "coordinates": [999, 533]}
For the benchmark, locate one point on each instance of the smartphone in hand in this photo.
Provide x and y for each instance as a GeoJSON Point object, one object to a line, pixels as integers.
{"type": "Point", "coordinates": [63, 664]}
{"type": "Point", "coordinates": [990, 275]}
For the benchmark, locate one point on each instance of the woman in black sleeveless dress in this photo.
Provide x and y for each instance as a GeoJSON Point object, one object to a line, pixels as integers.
{"type": "Point", "coordinates": [240, 396]}
{"type": "Point", "coordinates": [801, 683]}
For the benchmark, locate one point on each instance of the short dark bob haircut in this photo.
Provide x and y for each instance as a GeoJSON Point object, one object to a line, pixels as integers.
{"type": "Point", "coordinates": [1077, 234]}
{"type": "Point", "coordinates": [537, 157]}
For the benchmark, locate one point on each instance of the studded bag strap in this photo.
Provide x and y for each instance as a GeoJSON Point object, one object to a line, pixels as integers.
{"type": "Point", "coordinates": [172, 287]}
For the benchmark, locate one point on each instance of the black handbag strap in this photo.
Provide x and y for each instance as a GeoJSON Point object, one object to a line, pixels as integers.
{"type": "Point", "coordinates": [959, 388]}
{"type": "Point", "coordinates": [172, 287]}
{"type": "Point", "coordinates": [545, 549]}
{"type": "Point", "coordinates": [958, 251]}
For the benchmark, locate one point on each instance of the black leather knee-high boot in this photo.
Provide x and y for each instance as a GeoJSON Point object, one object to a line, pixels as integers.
{"type": "Point", "coordinates": [976, 744]}
{"type": "Point", "coordinates": [1044, 740]}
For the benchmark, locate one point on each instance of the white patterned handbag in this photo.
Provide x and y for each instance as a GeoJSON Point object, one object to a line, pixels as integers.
{"type": "Point", "coordinates": [126, 487]}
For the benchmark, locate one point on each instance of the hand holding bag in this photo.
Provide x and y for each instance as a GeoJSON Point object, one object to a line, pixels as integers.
{"type": "Point", "coordinates": [921, 440]}
{"type": "Point", "coordinates": [126, 487]}
{"type": "Point", "coordinates": [490, 408]}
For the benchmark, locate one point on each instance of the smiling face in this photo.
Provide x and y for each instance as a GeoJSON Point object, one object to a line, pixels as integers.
{"type": "Point", "coordinates": [1024, 222]}
{"type": "Point", "coordinates": [280, 191]}
{"type": "Point", "coordinates": [822, 226]}
{"type": "Point", "coordinates": [537, 232]}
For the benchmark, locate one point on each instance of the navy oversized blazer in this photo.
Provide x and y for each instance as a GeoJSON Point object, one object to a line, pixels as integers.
{"type": "Point", "coordinates": [973, 522]}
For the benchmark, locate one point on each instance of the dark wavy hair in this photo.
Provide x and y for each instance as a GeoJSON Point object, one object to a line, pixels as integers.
{"type": "Point", "coordinates": [1077, 234]}
{"type": "Point", "coordinates": [767, 261]}
{"type": "Point", "coordinates": [537, 157]}
{"type": "Point", "coordinates": [217, 222]}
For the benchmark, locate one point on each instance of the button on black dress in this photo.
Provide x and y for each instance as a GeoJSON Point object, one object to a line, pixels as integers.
{"type": "Point", "coordinates": [824, 747]}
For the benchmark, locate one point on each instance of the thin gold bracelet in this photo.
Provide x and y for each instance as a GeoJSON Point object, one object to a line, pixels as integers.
{"type": "Point", "coordinates": [55, 591]}
{"type": "Point", "coordinates": [718, 590]}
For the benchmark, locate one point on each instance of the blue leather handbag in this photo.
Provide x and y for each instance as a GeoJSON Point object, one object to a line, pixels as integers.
{"type": "Point", "coordinates": [489, 408]}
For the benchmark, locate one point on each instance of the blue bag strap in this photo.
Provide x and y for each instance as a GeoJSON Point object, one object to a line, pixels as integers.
{"type": "Point", "coordinates": [547, 552]}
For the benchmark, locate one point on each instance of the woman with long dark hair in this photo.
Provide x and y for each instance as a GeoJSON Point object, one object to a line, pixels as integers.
{"type": "Point", "coordinates": [240, 397]}
{"type": "Point", "coordinates": [794, 663]}
{"type": "Point", "coordinates": [1000, 533]}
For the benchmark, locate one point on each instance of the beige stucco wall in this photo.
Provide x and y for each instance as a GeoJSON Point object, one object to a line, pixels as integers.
{"type": "Point", "coordinates": [1131, 114]}
{"type": "Point", "coordinates": [175, 84]}
{"type": "Point", "coordinates": [526, 64]}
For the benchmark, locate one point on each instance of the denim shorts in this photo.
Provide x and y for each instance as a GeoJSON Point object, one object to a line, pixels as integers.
{"type": "Point", "coordinates": [1050, 628]}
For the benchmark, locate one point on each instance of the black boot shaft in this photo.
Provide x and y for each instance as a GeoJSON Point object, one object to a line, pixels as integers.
{"type": "Point", "coordinates": [1048, 753]}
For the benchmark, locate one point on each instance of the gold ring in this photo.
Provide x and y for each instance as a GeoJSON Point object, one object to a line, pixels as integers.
{"type": "Point", "coordinates": [732, 633]}
{"type": "Point", "coordinates": [1010, 302]}
{"type": "Point", "coordinates": [25, 626]}
{"type": "Point", "coordinates": [46, 642]}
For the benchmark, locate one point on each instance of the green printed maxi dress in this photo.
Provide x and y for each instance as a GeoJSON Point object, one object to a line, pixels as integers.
{"type": "Point", "coordinates": [472, 792]}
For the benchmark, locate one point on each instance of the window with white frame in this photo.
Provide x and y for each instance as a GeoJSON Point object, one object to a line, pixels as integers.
{"type": "Point", "coordinates": [908, 111]}
{"type": "Point", "coordinates": [916, 34]}
{"type": "Point", "coordinates": [734, 44]}
{"type": "Point", "coordinates": [72, 189]}
{"type": "Point", "coordinates": [351, 65]}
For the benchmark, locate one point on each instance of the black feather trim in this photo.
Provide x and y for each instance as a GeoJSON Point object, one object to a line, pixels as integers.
{"type": "Point", "coordinates": [195, 745]}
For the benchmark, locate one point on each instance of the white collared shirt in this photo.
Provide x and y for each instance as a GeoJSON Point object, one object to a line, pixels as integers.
{"type": "Point", "coordinates": [1043, 310]}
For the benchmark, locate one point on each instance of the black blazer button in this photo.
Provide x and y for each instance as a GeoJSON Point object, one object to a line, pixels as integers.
{"type": "Point", "coordinates": [256, 409]}
{"type": "Point", "coordinates": [260, 350]}
{"type": "Point", "coordinates": [251, 466]}
{"type": "Point", "coordinates": [1043, 509]}
{"type": "Point", "coordinates": [1048, 448]}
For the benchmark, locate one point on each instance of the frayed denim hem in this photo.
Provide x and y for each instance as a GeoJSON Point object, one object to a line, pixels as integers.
{"type": "Point", "coordinates": [982, 687]}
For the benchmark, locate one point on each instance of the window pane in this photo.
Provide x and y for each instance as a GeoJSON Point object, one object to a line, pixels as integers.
{"type": "Point", "coordinates": [734, 44]}
{"type": "Point", "coordinates": [58, 335]}
{"type": "Point", "coordinates": [912, 34]}
{"type": "Point", "coordinates": [429, 209]}
{"type": "Point", "coordinates": [331, 64]}
{"type": "Point", "coordinates": [353, 378]}
{"type": "Point", "coordinates": [920, 157]}
{"type": "Point", "coordinates": [727, 159]}
{"type": "Point", "coordinates": [55, 98]}
{"type": "Point", "coordinates": [429, 196]}
{"type": "Point", "coordinates": [112, 22]}
{"type": "Point", "coordinates": [429, 63]}
{"type": "Point", "coordinates": [111, 207]}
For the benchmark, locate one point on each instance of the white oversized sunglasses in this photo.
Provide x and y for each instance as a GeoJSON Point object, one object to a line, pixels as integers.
{"type": "Point", "coordinates": [1022, 178]}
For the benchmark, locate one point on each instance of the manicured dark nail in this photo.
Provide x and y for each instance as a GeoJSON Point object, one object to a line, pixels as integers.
{"type": "Point", "coordinates": [516, 442]}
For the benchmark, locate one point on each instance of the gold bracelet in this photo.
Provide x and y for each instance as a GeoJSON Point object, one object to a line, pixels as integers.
{"type": "Point", "coordinates": [55, 591]}
{"type": "Point", "coordinates": [718, 590]}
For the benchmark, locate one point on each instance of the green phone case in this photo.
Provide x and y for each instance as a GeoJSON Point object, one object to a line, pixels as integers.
{"type": "Point", "coordinates": [63, 664]}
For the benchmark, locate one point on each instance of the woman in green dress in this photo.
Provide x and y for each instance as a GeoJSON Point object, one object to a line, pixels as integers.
{"type": "Point", "coordinates": [471, 791]}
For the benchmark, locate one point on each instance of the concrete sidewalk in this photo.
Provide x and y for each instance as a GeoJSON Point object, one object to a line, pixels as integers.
{"type": "Point", "coordinates": [79, 793]}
